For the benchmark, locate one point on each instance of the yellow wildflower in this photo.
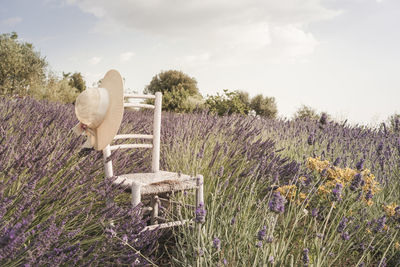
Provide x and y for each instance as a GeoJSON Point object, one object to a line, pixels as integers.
{"type": "Point", "coordinates": [397, 245]}
{"type": "Point", "coordinates": [390, 209]}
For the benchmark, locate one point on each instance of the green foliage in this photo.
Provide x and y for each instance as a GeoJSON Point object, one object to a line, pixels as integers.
{"type": "Point", "coordinates": [180, 92]}
{"type": "Point", "coordinates": [264, 106]}
{"type": "Point", "coordinates": [75, 80]}
{"type": "Point", "coordinates": [20, 65]}
{"type": "Point", "coordinates": [306, 113]}
{"type": "Point", "coordinates": [56, 90]}
{"type": "Point", "coordinates": [228, 103]}
{"type": "Point", "coordinates": [179, 100]}
{"type": "Point", "coordinates": [244, 97]}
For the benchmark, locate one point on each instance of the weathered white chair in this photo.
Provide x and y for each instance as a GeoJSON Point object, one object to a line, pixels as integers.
{"type": "Point", "coordinates": [156, 182]}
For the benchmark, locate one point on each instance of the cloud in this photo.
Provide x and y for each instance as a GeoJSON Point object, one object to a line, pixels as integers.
{"type": "Point", "coordinates": [11, 22]}
{"type": "Point", "coordinates": [218, 27]}
{"type": "Point", "coordinates": [95, 60]}
{"type": "Point", "coordinates": [124, 57]}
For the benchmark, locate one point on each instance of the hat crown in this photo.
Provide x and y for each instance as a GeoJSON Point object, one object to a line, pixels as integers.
{"type": "Point", "coordinates": [91, 106]}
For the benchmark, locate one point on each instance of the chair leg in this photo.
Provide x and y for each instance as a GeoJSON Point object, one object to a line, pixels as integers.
{"type": "Point", "coordinates": [199, 190]}
{"type": "Point", "coordinates": [154, 212]}
{"type": "Point", "coordinates": [135, 194]}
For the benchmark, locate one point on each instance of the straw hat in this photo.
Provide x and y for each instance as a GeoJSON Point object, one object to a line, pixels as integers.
{"type": "Point", "coordinates": [100, 111]}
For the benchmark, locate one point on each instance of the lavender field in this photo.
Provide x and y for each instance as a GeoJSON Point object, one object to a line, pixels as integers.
{"type": "Point", "coordinates": [277, 192]}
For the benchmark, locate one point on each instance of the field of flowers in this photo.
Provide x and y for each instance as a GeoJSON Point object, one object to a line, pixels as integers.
{"type": "Point", "coordinates": [277, 193]}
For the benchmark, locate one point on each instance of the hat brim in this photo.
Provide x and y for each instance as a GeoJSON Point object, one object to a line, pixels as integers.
{"type": "Point", "coordinates": [107, 130]}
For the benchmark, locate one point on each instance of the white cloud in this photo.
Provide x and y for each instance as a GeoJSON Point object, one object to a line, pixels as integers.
{"type": "Point", "coordinates": [10, 22]}
{"type": "Point", "coordinates": [124, 57]}
{"type": "Point", "coordinates": [95, 60]}
{"type": "Point", "coordinates": [218, 27]}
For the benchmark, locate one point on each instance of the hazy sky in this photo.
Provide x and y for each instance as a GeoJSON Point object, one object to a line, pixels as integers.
{"type": "Point", "coordinates": [338, 56]}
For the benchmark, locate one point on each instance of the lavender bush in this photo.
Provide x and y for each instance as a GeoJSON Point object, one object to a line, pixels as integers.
{"type": "Point", "coordinates": [56, 208]}
{"type": "Point", "coordinates": [277, 192]}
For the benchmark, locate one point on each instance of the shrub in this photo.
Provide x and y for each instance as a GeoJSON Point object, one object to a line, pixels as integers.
{"type": "Point", "coordinates": [264, 106]}
{"type": "Point", "coordinates": [54, 89]}
{"type": "Point", "coordinates": [227, 103]}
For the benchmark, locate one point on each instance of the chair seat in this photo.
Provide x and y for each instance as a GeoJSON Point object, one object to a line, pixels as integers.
{"type": "Point", "coordinates": [158, 182]}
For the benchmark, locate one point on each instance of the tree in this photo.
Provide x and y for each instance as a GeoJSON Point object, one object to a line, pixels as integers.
{"type": "Point", "coordinates": [75, 80]}
{"type": "Point", "coordinates": [264, 106]}
{"type": "Point", "coordinates": [178, 90]}
{"type": "Point", "coordinates": [306, 112]}
{"type": "Point", "coordinates": [228, 103]}
{"type": "Point", "coordinates": [20, 65]}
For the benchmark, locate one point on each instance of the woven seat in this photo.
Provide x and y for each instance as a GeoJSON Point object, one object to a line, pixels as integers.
{"type": "Point", "coordinates": [156, 183]}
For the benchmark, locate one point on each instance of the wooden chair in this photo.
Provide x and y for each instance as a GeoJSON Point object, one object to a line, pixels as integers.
{"type": "Point", "coordinates": [155, 182]}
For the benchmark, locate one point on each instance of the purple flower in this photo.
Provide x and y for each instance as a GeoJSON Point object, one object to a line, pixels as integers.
{"type": "Point", "coordinates": [380, 224]}
{"type": "Point", "coordinates": [259, 244]}
{"type": "Point", "coordinates": [271, 259]}
{"type": "Point", "coordinates": [200, 213]}
{"type": "Point", "coordinates": [225, 262]}
{"type": "Point", "coordinates": [311, 140]}
{"type": "Point", "coordinates": [379, 148]}
{"type": "Point", "coordinates": [306, 258]}
{"type": "Point", "coordinates": [201, 153]}
{"type": "Point", "coordinates": [383, 262]}
{"type": "Point", "coordinates": [337, 192]}
{"type": "Point", "coordinates": [356, 182]}
{"type": "Point", "coordinates": [360, 165]}
{"type": "Point", "coordinates": [277, 203]}
{"type": "Point", "coordinates": [217, 243]}
{"type": "Point", "coordinates": [345, 236]}
{"type": "Point", "coordinates": [314, 212]}
{"type": "Point", "coordinates": [336, 162]}
{"type": "Point", "coordinates": [233, 221]}
{"type": "Point", "coordinates": [369, 195]}
{"type": "Point", "coordinates": [342, 225]}
{"type": "Point", "coordinates": [397, 210]}
{"type": "Point", "coordinates": [262, 233]}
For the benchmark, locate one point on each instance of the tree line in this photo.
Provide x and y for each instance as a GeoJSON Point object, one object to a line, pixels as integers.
{"type": "Point", "coordinates": [24, 72]}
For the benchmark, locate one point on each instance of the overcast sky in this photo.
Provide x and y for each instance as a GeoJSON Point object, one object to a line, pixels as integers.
{"type": "Point", "coordinates": [338, 56]}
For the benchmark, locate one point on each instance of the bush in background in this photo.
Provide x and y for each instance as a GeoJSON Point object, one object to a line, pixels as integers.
{"type": "Point", "coordinates": [264, 106]}
{"type": "Point", "coordinates": [227, 103]}
{"type": "Point", "coordinates": [55, 89]}
{"type": "Point", "coordinates": [180, 92]}
{"type": "Point", "coordinates": [306, 113]}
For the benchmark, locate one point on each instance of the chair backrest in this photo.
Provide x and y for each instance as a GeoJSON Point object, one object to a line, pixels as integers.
{"type": "Point", "coordinates": [155, 146]}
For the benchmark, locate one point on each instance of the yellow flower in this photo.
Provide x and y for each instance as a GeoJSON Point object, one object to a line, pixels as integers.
{"type": "Point", "coordinates": [397, 245]}
{"type": "Point", "coordinates": [289, 192]}
{"type": "Point", "coordinates": [369, 202]}
{"type": "Point", "coordinates": [390, 209]}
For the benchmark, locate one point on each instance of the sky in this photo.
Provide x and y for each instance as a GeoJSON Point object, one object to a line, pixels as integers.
{"type": "Point", "coordinates": [337, 56]}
